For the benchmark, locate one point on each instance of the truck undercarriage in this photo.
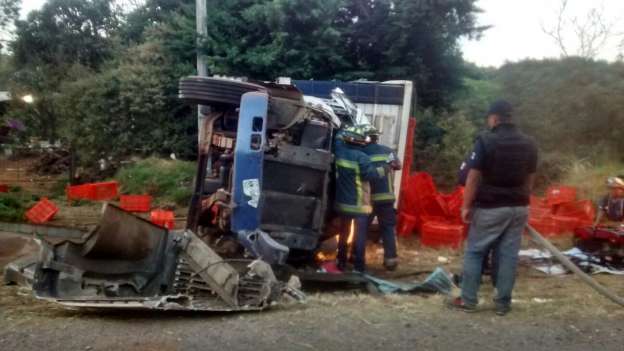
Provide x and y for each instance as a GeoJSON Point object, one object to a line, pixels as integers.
{"type": "Point", "coordinates": [266, 161]}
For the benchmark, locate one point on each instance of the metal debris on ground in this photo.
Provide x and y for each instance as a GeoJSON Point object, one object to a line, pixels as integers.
{"type": "Point", "coordinates": [148, 267]}
{"type": "Point", "coordinates": [544, 262]}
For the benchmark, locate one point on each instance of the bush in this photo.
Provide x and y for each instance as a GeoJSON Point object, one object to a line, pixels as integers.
{"type": "Point", "coordinates": [451, 140]}
{"type": "Point", "coordinates": [166, 180]}
{"type": "Point", "coordinates": [590, 177]}
{"type": "Point", "coordinates": [13, 207]}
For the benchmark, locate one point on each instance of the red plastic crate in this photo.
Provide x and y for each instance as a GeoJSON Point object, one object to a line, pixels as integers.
{"type": "Point", "coordinates": [104, 191]}
{"type": "Point", "coordinates": [4, 188]}
{"type": "Point", "coordinates": [560, 194]}
{"type": "Point", "coordinates": [539, 212]}
{"type": "Point", "coordinates": [537, 201]}
{"type": "Point", "coordinates": [43, 211]}
{"type": "Point", "coordinates": [546, 226]}
{"type": "Point", "coordinates": [136, 203]}
{"type": "Point", "coordinates": [422, 184]}
{"type": "Point", "coordinates": [566, 224]}
{"type": "Point", "coordinates": [584, 211]}
{"type": "Point", "coordinates": [406, 224]}
{"type": "Point", "coordinates": [434, 205]}
{"type": "Point", "coordinates": [79, 192]}
{"type": "Point", "coordinates": [442, 234]}
{"type": "Point", "coordinates": [165, 219]}
{"type": "Point", "coordinates": [93, 191]}
{"type": "Point", "coordinates": [454, 202]}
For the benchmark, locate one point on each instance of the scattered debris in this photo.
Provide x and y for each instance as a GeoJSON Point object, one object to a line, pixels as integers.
{"type": "Point", "coordinates": [52, 162]}
{"type": "Point", "coordinates": [147, 267]}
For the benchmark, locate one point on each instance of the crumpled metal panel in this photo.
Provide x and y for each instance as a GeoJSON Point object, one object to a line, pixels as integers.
{"type": "Point", "coordinates": [128, 262]}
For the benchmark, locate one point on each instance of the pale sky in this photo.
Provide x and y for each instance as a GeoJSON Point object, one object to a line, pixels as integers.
{"type": "Point", "coordinates": [516, 33]}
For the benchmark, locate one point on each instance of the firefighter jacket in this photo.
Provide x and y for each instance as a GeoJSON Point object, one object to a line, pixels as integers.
{"type": "Point", "coordinates": [381, 189]}
{"type": "Point", "coordinates": [354, 171]}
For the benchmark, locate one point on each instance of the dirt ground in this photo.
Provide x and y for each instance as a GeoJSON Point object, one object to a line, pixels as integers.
{"type": "Point", "coordinates": [549, 314]}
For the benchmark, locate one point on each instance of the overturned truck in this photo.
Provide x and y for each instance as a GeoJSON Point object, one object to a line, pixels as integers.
{"type": "Point", "coordinates": [262, 199]}
{"type": "Point", "coordinates": [266, 161]}
{"type": "Point", "coordinates": [266, 164]}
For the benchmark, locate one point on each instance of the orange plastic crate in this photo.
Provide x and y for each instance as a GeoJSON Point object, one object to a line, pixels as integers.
{"type": "Point", "coordinates": [546, 226]}
{"type": "Point", "coordinates": [442, 234]}
{"type": "Point", "coordinates": [566, 224]}
{"type": "Point", "coordinates": [584, 211]}
{"type": "Point", "coordinates": [165, 219]}
{"type": "Point", "coordinates": [406, 224]}
{"type": "Point", "coordinates": [104, 191]}
{"type": "Point", "coordinates": [560, 194]}
{"type": "Point", "coordinates": [79, 192]}
{"type": "Point", "coordinates": [136, 203]}
{"type": "Point", "coordinates": [43, 211]}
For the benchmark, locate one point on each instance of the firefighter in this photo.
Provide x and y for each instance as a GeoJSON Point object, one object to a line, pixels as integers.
{"type": "Point", "coordinates": [382, 196]}
{"type": "Point", "coordinates": [354, 170]}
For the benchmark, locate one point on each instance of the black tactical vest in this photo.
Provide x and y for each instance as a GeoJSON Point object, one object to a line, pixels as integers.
{"type": "Point", "coordinates": [508, 162]}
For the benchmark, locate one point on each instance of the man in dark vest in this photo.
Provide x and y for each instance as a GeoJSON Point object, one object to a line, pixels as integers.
{"type": "Point", "coordinates": [496, 202]}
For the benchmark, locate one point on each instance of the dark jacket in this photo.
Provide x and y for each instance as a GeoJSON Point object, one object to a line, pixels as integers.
{"type": "Point", "coordinates": [382, 189]}
{"type": "Point", "coordinates": [354, 170]}
{"type": "Point", "coordinates": [613, 208]}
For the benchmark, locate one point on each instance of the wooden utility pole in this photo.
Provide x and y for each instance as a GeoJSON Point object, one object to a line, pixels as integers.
{"type": "Point", "coordinates": [201, 12]}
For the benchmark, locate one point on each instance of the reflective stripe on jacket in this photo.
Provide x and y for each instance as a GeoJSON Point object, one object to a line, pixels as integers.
{"type": "Point", "coordinates": [382, 189]}
{"type": "Point", "coordinates": [354, 170]}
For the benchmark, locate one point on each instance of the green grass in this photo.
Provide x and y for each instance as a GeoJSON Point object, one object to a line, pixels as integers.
{"type": "Point", "coordinates": [166, 180]}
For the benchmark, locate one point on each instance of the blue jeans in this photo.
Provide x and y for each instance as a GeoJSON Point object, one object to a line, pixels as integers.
{"type": "Point", "coordinates": [499, 229]}
{"type": "Point", "coordinates": [386, 215]}
{"type": "Point", "coordinates": [359, 241]}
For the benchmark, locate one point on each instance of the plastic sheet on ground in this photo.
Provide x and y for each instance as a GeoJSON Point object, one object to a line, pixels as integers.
{"type": "Point", "coordinates": [544, 262]}
{"type": "Point", "coordinates": [440, 281]}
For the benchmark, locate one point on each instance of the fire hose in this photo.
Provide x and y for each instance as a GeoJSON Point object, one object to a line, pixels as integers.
{"type": "Point", "coordinates": [572, 267]}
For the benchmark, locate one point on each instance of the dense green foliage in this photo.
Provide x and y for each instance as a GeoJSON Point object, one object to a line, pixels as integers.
{"type": "Point", "coordinates": [104, 81]}
{"type": "Point", "coordinates": [13, 206]}
{"type": "Point", "coordinates": [339, 39]}
{"type": "Point", "coordinates": [572, 107]}
{"type": "Point", "coordinates": [167, 180]}
{"type": "Point", "coordinates": [9, 11]}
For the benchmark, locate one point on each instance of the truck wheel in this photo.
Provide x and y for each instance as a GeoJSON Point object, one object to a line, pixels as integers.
{"type": "Point", "coordinates": [214, 91]}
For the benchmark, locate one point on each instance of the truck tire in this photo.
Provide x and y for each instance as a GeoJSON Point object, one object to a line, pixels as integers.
{"type": "Point", "coordinates": [214, 91]}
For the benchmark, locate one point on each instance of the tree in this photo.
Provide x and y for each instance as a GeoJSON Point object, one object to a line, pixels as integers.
{"type": "Point", "coordinates": [413, 39]}
{"type": "Point", "coordinates": [130, 107]}
{"type": "Point", "coordinates": [65, 32]}
{"type": "Point", "coordinates": [151, 13]}
{"type": "Point", "coordinates": [343, 39]}
{"type": "Point", "coordinates": [592, 31]}
{"type": "Point", "coordinates": [9, 11]}
{"type": "Point", "coordinates": [63, 37]}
